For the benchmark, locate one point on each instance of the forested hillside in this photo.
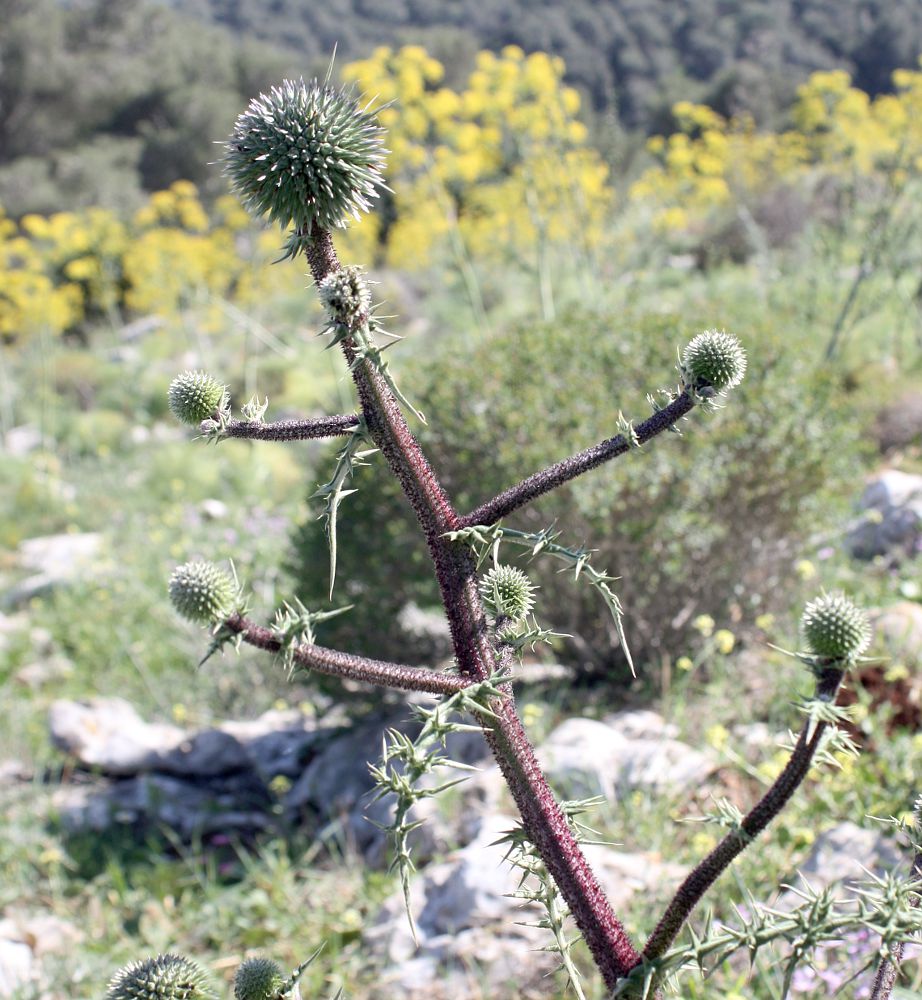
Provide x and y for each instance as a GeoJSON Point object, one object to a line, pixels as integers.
{"type": "Point", "coordinates": [637, 56]}
{"type": "Point", "coordinates": [101, 102]}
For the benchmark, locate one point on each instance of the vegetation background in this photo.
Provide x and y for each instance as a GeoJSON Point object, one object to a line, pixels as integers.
{"type": "Point", "coordinates": [577, 189]}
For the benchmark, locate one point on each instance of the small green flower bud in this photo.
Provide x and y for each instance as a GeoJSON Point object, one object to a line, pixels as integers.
{"type": "Point", "coordinates": [346, 297]}
{"type": "Point", "coordinates": [258, 979]}
{"type": "Point", "coordinates": [166, 977]}
{"type": "Point", "coordinates": [196, 396]}
{"type": "Point", "coordinates": [508, 592]}
{"type": "Point", "coordinates": [834, 628]}
{"type": "Point", "coordinates": [712, 363]}
{"type": "Point", "coordinates": [202, 593]}
{"type": "Point", "coordinates": [306, 155]}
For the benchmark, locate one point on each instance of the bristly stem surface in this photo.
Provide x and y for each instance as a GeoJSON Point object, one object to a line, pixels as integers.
{"type": "Point", "coordinates": [734, 843]}
{"type": "Point", "coordinates": [476, 657]}
{"type": "Point", "coordinates": [347, 665]}
{"type": "Point", "coordinates": [889, 970]}
{"type": "Point", "coordinates": [292, 430]}
{"type": "Point", "coordinates": [556, 475]}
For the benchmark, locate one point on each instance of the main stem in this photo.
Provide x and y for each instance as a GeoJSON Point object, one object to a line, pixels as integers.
{"type": "Point", "coordinates": [544, 821]}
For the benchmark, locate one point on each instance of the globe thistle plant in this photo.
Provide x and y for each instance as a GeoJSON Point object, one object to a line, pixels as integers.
{"type": "Point", "coordinates": [258, 979]}
{"type": "Point", "coordinates": [202, 592]}
{"type": "Point", "coordinates": [346, 297]}
{"type": "Point", "coordinates": [835, 629]}
{"type": "Point", "coordinates": [508, 592]}
{"type": "Point", "coordinates": [712, 363]}
{"type": "Point", "coordinates": [195, 396]}
{"type": "Point", "coordinates": [166, 977]}
{"type": "Point", "coordinates": [306, 155]}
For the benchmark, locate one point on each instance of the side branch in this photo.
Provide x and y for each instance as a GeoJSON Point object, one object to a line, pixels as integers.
{"type": "Point", "coordinates": [775, 799]}
{"type": "Point", "coordinates": [562, 472]}
{"type": "Point", "coordinates": [889, 970]}
{"type": "Point", "coordinates": [347, 665]}
{"type": "Point", "coordinates": [292, 430]}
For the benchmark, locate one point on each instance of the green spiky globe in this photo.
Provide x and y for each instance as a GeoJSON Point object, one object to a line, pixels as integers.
{"type": "Point", "coordinates": [195, 396]}
{"type": "Point", "coordinates": [166, 977]}
{"type": "Point", "coordinates": [346, 296]}
{"type": "Point", "coordinates": [306, 155]}
{"type": "Point", "coordinates": [508, 592]}
{"type": "Point", "coordinates": [713, 360]}
{"type": "Point", "coordinates": [202, 592]}
{"type": "Point", "coordinates": [258, 979]}
{"type": "Point", "coordinates": [834, 628]}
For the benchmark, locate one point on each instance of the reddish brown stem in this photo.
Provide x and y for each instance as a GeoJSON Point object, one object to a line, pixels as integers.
{"type": "Point", "coordinates": [766, 809]}
{"type": "Point", "coordinates": [556, 475]}
{"type": "Point", "coordinates": [476, 657]}
{"type": "Point", "coordinates": [889, 970]}
{"type": "Point", "coordinates": [349, 666]}
{"type": "Point", "coordinates": [292, 430]}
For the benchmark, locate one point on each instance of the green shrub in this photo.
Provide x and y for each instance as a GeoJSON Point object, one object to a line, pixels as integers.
{"type": "Point", "coordinates": [702, 526]}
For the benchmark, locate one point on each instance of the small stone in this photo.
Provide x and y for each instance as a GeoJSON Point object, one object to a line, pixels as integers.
{"type": "Point", "coordinates": [21, 441]}
{"type": "Point", "coordinates": [15, 967]}
{"type": "Point", "coordinates": [213, 509]}
{"type": "Point", "coordinates": [43, 672]}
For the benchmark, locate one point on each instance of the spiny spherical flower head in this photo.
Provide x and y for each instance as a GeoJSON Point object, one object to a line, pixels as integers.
{"type": "Point", "coordinates": [195, 396]}
{"type": "Point", "coordinates": [258, 979]}
{"type": "Point", "coordinates": [712, 363]}
{"type": "Point", "coordinates": [508, 592]}
{"type": "Point", "coordinates": [346, 297]}
{"type": "Point", "coordinates": [306, 156]}
{"type": "Point", "coordinates": [202, 592]}
{"type": "Point", "coordinates": [166, 977]}
{"type": "Point", "coordinates": [834, 628]}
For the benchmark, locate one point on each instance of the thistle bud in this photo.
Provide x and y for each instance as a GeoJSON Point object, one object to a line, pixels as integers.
{"type": "Point", "coordinates": [834, 628]}
{"type": "Point", "coordinates": [196, 396]}
{"type": "Point", "coordinates": [306, 155]}
{"type": "Point", "coordinates": [202, 593]}
{"type": "Point", "coordinates": [258, 979]}
{"type": "Point", "coordinates": [712, 363]}
{"type": "Point", "coordinates": [508, 592]}
{"type": "Point", "coordinates": [166, 977]}
{"type": "Point", "coordinates": [346, 297]}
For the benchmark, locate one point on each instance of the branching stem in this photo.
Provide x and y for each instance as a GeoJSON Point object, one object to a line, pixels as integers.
{"type": "Point", "coordinates": [556, 475]}
{"type": "Point", "coordinates": [347, 665]}
{"type": "Point", "coordinates": [734, 843]}
{"type": "Point", "coordinates": [456, 572]}
{"type": "Point", "coordinates": [889, 969]}
{"type": "Point", "coordinates": [292, 430]}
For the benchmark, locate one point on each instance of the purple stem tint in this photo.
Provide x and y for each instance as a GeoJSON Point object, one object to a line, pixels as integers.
{"type": "Point", "coordinates": [455, 569]}
{"type": "Point", "coordinates": [556, 475]}
{"type": "Point", "coordinates": [349, 666]}
{"type": "Point", "coordinates": [734, 843]}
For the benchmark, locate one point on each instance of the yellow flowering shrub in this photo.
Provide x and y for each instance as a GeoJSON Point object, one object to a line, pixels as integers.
{"type": "Point", "coordinates": [504, 161]}
{"type": "Point", "coordinates": [712, 161]}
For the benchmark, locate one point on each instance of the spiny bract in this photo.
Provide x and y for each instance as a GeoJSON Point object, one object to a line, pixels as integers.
{"type": "Point", "coordinates": [195, 396]}
{"type": "Point", "coordinates": [202, 592]}
{"type": "Point", "coordinates": [508, 592]}
{"type": "Point", "coordinates": [346, 296]}
{"type": "Point", "coordinates": [258, 979]}
{"type": "Point", "coordinates": [166, 977]}
{"type": "Point", "coordinates": [306, 156]}
{"type": "Point", "coordinates": [713, 360]}
{"type": "Point", "coordinates": [834, 628]}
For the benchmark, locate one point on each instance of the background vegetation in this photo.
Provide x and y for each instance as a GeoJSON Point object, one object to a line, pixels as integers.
{"type": "Point", "coordinates": [558, 224]}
